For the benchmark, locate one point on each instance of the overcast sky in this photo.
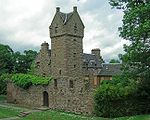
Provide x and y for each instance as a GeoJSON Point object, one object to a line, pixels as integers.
{"type": "Point", "coordinates": [24, 24]}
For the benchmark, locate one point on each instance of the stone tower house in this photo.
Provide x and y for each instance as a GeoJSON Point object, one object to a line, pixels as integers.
{"type": "Point", "coordinates": [66, 33]}
{"type": "Point", "coordinates": [76, 74]}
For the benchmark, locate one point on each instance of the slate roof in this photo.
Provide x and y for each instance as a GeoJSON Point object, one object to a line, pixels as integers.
{"type": "Point", "coordinates": [110, 69]}
{"type": "Point", "coordinates": [65, 16]}
{"type": "Point", "coordinates": [91, 61]}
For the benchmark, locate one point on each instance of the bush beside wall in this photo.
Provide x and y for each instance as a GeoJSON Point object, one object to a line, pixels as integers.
{"type": "Point", "coordinates": [120, 98]}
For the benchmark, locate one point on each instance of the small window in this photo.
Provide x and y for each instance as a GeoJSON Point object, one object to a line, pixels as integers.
{"type": "Point", "coordinates": [38, 64]}
{"type": "Point", "coordinates": [49, 62]}
{"type": "Point", "coordinates": [74, 66]}
{"type": "Point", "coordinates": [59, 72]}
{"type": "Point", "coordinates": [44, 74]}
{"type": "Point", "coordinates": [74, 40]}
{"type": "Point", "coordinates": [75, 28]}
{"type": "Point", "coordinates": [55, 83]}
{"type": "Point", "coordinates": [74, 54]}
{"type": "Point", "coordinates": [71, 83]}
{"type": "Point", "coordinates": [56, 28]}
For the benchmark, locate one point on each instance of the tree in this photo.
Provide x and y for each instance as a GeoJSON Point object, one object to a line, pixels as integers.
{"type": "Point", "coordinates": [136, 29]}
{"type": "Point", "coordinates": [23, 61]}
{"type": "Point", "coordinates": [6, 59]}
{"type": "Point", "coordinates": [114, 61]}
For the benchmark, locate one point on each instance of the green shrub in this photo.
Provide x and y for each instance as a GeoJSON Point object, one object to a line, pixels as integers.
{"type": "Point", "coordinates": [115, 98]}
{"type": "Point", "coordinates": [3, 82]}
{"type": "Point", "coordinates": [26, 80]}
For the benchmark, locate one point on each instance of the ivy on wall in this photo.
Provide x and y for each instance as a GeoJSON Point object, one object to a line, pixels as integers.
{"type": "Point", "coordinates": [26, 80]}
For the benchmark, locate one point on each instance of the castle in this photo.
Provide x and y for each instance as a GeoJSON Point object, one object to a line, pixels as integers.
{"type": "Point", "coordinates": [76, 74]}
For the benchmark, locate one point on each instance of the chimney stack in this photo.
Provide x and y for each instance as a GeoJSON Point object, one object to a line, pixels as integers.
{"type": "Point", "coordinates": [75, 8]}
{"type": "Point", "coordinates": [96, 52]}
{"type": "Point", "coordinates": [57, 9]}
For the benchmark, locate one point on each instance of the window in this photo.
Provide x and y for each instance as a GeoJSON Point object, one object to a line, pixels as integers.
{"type": "Point", "coordinates": [74, 54]}
{"type": "Point", "coordinates": [59, 72]}
{"type": "Point", "coordinates": [56, 28]}
{"type": "Point", "coordinates": [49, 62]}
{"type": "Point", "coordinates": [74, 66]}
{"type": "Point", "coordinates": [38, 64]}
{"type": "Point", "coordinates": [75, 28]}
{"type": "Point", "coordinates": [71, 83]}
{"type": "Point", "coordinates": [96, 81]}
{"type": "Point", "coordinates": [55, 83]}
{"type": "Point", "coordinates": [74, 40]}
{"type": "Point", "coordinates": [44, 74]}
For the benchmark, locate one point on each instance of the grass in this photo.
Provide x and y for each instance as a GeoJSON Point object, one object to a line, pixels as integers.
{"type": "Point", "coordinates": [13, 111]}
{"type": "Point", "coordinates": [54, 115]}
{"type": "Point", "coordinates": [7, 112]}
{"type": "Point", "coordinates": [2, 98]}
{"type": "Point", "coordinates": [137, 117]}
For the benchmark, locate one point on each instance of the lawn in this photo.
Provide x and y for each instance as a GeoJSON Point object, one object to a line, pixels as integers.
{"type": "Point", "coordinates": [8, 112]}
{"type": "Point", "coordinates": [2, 98]}
{"type": "Point", "coordinates": [138, 117]}
{"type": "Point", "coordinates": [54, 115]}
{"type": "Point", "coordinates": [12, 111]}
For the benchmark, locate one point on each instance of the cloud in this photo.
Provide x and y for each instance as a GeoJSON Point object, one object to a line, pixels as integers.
{"type": "Point", "coordinates": [24, 24]}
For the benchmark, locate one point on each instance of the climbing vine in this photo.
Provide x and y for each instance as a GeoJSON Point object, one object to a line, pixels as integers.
{"type": "Point", "coordinates": [26, 80]}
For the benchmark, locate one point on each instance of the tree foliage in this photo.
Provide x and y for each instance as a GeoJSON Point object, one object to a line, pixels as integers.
{"type": "Point", "coordinates": [136, 29]}
{"type": "Point", "coordinates": [114, 61]}
{"type": "Point", "coordinates": [6, 59]}
{"type": "Point", "coordinates": [120, 97]}
{"type": "Point", "coordinates": [11, 63]}
{"type": "Point", "coordinates": [23, 61]}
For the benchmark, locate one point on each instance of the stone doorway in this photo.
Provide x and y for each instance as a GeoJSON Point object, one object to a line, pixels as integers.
{"type": "Point", "coordinates": [45, 99]}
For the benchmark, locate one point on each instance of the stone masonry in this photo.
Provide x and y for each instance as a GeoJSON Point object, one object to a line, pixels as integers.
{"type": "Point", "coordinates": [75, 73]}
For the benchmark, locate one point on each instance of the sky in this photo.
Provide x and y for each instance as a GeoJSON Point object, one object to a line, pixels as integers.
{"type": "Point", "coordinates": [24, 24]}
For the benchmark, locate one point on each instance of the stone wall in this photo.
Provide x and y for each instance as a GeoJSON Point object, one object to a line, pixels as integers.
{"type": "Point", "coordinates": [77, 98]}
